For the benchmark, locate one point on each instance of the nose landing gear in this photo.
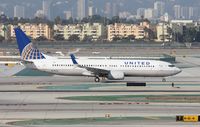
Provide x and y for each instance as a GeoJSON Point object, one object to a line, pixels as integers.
{"type": "Point", "coordinates": [97, 79]}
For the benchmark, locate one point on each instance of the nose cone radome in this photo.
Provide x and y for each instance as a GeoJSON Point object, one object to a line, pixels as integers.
{"type": "Point", "coordinates": [177, 71]}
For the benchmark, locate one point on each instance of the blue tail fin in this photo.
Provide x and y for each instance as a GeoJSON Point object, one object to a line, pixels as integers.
{"type": "Point", "coordinates": [27, 51]}
{"type": "Point", "coordinates": [22, 39]}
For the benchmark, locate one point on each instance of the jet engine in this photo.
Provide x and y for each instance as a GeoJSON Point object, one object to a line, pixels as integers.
{"type": "Point", "coordinates": [115, 75]}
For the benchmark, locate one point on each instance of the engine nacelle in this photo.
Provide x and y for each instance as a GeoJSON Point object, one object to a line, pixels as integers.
{"type": "Point", "coordinates": [115, 75]}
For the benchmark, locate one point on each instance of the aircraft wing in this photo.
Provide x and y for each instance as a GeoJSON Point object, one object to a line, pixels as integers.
{"type": "Point", "coordinates": [96, 70]}
{"type": "Point", "coordinates": [91, 69]}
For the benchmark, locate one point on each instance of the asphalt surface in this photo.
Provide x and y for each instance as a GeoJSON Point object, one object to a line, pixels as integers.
{"type": "Point", "coordinates": [21, 98]}
{"type": "Point", "coordinates": [26, 111]}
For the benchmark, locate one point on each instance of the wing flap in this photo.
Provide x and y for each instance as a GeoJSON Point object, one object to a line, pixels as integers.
{"type": "Point", "coordinates": [95, 71]}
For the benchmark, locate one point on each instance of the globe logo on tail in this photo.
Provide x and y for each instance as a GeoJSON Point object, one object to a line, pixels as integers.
{"type": "Point", "coordinates": [26, 49]}
{"type": "Point", "coordinates": [31, 53]}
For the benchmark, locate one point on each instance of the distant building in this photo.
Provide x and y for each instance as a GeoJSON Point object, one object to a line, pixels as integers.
{"type": "Point", "coordinates": [94, 31]}
{"type": "Point", "coordinates": [33, 30]}
{"type": "Point", "coordinates": [124, 30]}
{"type": "Point", "coordinates": [165, 17]}
{"type": "Point", "coordinates": [111, 9]}
{"type": "Point", "coordinates": [68, 14]}
{"type": "Point", "coordinates": [191, 13]}
{"type": "Point", "coordinates": [184, 13]}
{"type": "Point", "coordinates": [184, 22]}
{"type": "Point", "coordinates": [19, 11]}
{"type": "Point", "coordinates": [140, 13]}
{"type": "Point", "coordinates": [73, 30]}
{"type": "Point", "coordinates": [115, 9]}
{"type": "Point", "coordinates": [149, 13]}
{"type": "Point", "coordinates": [163, 34]}
{"type": "Point", "coordinates": [178, 26]}
{"type": "Point", "coordinates": [3, 31]}
{"type": "Point", "coordinates": [91, 9]}
{"type": "Point", "coordinates": [107, 9]}
{"type": "Point", "coordinates": [39, 14]}
{"type": "Point", "coordinates": [46, 8]}
{"type": "Point", "coordinates": [194, 13]}
{"type": "Point", "coordinates": [177, 11]}
{"type": "Point", "coordinates": [125, 15]}
{"type": "Point", "coordinates": [81, 9]}
{"type": "Point", "coordinates": [159, 8]}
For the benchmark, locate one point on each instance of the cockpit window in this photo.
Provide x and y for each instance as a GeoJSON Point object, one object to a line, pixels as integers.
{"type": "Point", "coordinates": [171, 65]}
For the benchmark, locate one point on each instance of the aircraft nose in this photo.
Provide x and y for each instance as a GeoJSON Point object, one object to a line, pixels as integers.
{"type": "Point", "coordinates": [177, 70]}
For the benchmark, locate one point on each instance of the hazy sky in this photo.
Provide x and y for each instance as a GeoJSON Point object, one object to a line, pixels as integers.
{"type": "Point", "coordinates": [59, 6]}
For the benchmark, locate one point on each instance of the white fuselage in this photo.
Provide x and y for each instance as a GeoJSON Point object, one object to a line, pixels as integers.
{"type": "Point", "coordinates": [135, 68]}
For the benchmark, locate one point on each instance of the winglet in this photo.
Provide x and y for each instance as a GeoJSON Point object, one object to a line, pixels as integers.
{"type": "Point", "coordinates": [73, 59]}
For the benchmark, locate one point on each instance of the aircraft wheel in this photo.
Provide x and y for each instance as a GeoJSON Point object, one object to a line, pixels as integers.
{"type": "Point", "coordinates": [103, 78]}
{"type": "Point", "coordinates": [163, 80]}
{"type": "Point", "coordinates": [97, 79]}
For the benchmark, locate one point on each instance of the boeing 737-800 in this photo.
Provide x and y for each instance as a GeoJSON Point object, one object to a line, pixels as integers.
{"type": "Point", "coordinates": [112, 69]}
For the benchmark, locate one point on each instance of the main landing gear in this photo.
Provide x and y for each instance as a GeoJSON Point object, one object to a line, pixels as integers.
{"type": "Point", "coordinates": [97, 79]}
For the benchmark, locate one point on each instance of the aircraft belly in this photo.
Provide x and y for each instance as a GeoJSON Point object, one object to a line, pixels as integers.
{"type": "Point", "coordinates": [66, 72]}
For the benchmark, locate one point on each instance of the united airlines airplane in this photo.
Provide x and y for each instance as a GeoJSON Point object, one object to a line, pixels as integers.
{"type": "Point", "coordinates": [112, 69]}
